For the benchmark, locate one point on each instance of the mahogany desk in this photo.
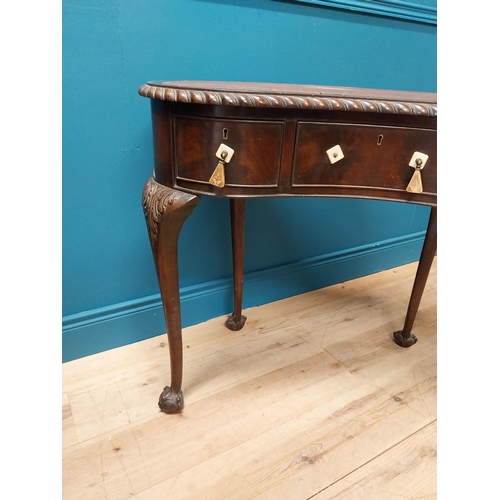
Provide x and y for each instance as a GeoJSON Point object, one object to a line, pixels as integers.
{"type": "Point", "coordinates": [244, 140]}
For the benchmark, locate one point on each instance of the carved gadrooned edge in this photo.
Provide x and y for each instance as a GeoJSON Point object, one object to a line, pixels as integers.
{"type": "Point", "coordinates": [157, 200]}
{"type": "Point", "coordinates": [254, 100]}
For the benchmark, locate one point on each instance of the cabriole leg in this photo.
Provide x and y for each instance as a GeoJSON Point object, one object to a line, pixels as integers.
{"type": "Point", "coordinates": [236, 321]}
{"type": "Point", "coordinates": [404, 337]}
{"type": "Point", "coordinates": [166, 210]}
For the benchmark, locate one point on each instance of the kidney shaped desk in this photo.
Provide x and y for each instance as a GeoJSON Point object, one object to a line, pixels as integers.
{"type": "Point", "coordinates": [244, 140]}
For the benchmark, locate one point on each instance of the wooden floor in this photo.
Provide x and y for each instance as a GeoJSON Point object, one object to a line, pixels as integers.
{"type": "Point", "coordinates": [312, 399]}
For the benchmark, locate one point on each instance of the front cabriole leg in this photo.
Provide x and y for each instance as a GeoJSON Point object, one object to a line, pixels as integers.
{"type": "Point", "coordinates": [166, 210]}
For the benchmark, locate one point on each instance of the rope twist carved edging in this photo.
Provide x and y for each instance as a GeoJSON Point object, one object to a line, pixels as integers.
{"type": "Point", "coordinates": [286, 101]}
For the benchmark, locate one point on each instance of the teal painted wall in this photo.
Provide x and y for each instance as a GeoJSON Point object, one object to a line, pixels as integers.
{"type": "Point", "coordinates": [110, 48]}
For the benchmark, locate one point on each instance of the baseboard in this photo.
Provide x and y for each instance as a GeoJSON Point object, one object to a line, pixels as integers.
{"type": "Point", "coordinates": [106, 328]}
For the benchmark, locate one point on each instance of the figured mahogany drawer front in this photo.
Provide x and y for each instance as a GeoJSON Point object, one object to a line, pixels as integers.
{"type": "Point", "coordinates": [374, 156]}
{"type": "Point", "coordinates": [256, 144]}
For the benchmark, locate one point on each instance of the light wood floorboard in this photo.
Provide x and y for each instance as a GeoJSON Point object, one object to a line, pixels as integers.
{"type": "Point", "coordinates": [311, 400]}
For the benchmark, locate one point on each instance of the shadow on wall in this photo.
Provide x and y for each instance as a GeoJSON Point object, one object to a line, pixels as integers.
{"type": "Point", "coordinates": [419, 15]}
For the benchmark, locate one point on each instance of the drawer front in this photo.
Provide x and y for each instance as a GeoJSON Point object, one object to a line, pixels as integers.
{"type": "Point", "coordinates": [256, 144]}
{"type": "Point", "coordinates": [374, 156]}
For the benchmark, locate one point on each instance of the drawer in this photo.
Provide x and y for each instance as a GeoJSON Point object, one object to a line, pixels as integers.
{"type": "Point", "coordinates": [256, 144]}
{"type": "Point", "coordinates": [374, 156]}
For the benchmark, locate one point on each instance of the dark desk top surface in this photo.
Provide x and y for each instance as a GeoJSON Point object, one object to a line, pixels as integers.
{"type": "Point", "coordinates": [259, 94]}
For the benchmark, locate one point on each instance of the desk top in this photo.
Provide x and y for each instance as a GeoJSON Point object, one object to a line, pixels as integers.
{"type": "Point", "coordinates": [273, 95]}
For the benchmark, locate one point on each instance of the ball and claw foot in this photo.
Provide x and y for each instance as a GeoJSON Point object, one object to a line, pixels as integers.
{"type": "Point", "coordinates": [170, 401]}
{"type": "Point", "coordinates": [234, 324]}
{"type": "Point", "coordinates": [403, 340]}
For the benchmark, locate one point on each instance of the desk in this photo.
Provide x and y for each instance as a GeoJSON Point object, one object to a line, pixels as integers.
{"type": "Point", "coordinates": [245, 140]}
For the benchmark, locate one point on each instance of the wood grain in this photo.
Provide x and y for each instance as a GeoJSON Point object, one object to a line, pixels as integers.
{"type": "Point", "coordinates": [312, 399]}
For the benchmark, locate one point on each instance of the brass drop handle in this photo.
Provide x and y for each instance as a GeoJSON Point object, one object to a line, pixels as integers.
{"type": "Point", "coordinates": [224, 154]}
{"type": "Point", "coordinates": [418, 161]}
